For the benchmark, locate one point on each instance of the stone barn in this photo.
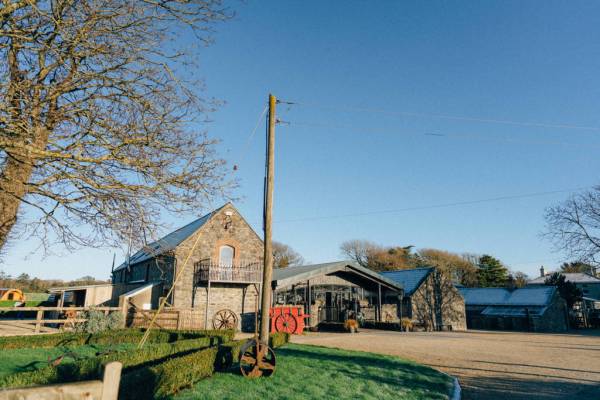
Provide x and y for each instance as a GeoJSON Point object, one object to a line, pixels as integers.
{"type": "Point", "coordinates": [224, 271]}
{"type": "Point", "coordinates": [430, 299]}
{"type": "Point", "coordinates": [337, 291]}
{"type": "Point", "coordinates": [533, 309]}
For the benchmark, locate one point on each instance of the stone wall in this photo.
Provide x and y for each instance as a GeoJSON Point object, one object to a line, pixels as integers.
{"type": "Point", "coordinates": [219, 230]}
{"type": "Point", "coordinates": [554, 319]}
{"type": "Point", "coordinates": [237, 298]}
{"type": "Point", "coordinates": [434, 304]}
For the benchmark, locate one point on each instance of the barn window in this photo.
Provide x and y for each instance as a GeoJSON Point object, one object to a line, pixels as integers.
{"type": "Point", "coordinates": [226, 255]}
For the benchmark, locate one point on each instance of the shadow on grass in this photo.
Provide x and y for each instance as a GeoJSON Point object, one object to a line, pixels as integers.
{"type": "Point", "coordinates": [379, 369]}
{"type": "Point", "coordinates": [515, 388]}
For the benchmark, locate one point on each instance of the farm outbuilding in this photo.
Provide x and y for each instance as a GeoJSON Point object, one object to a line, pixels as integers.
{"type": "Point", "coordinates": [430, 299]}
{"type": "Point", "coordinates": [534, 309]}
{"type": "Point", "coordinates": [337, 291]}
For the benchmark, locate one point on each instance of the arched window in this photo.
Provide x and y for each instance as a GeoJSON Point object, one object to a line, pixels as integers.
{"type": "Point", "coordinates": [226, 255]}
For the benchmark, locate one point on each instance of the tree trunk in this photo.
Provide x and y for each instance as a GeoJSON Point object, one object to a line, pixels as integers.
{"type": "Point", "coordinates": [13, 186]}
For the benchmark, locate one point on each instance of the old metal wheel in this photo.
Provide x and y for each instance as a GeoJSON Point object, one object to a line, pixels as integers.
{"type": "Point", "coordinates": [286, 323]}
{"type": "Point", "coordinates": [225, 319]}
{"type": "Point", "coordinates": [256, 360]}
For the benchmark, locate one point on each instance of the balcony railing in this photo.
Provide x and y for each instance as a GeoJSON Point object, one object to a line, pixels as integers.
{"type": "Point", "coordinates": [241, 271]}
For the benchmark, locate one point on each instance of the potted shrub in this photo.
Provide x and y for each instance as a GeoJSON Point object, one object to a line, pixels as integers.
{"type": "Point", "coordinates": [351, 325]}
{"type": "Point", "coordinates": [407, 324]}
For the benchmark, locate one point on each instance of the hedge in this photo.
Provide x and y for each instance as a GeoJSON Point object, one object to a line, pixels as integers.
{"type": "Point", "coordinates": [162, 380]}
{"type": "Point", "coordinates": [90, 368]}
{"type": "Point", "coordinates": [109, 337]}
{"type": "Point", "coordinates": [155, 371]}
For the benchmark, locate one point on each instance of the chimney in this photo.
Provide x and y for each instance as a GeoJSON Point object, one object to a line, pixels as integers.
{"type": "Point", "coordinates": [542, 271]}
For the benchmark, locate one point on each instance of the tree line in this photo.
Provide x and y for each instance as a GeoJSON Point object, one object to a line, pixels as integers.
{"type": "Point", "coordinates": [29, 284]}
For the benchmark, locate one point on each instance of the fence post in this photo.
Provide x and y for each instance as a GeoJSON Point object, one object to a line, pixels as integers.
{"type": "Point", "coordinates": [38, 320]}
{"type": "Point", "coordinates": [179, 320]}
{"type": "Point", "coordinates": [111, 380]}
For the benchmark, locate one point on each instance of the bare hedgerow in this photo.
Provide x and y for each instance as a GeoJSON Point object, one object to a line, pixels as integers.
{"type": "Point", "coordinates": [101, 115]}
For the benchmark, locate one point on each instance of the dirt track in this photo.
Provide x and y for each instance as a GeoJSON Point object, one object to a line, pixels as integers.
{"type": "Point", "coordinates": [492, 365]}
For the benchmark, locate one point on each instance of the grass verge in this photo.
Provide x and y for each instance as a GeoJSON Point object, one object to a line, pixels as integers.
{"type": "Point", "coordinates": [310, 372]}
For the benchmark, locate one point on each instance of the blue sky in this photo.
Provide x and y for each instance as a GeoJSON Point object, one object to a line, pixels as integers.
{"type": "Point", "coordinates": [371, 80]}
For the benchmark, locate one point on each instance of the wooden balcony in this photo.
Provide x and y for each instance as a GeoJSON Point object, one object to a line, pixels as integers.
{"type": "Point", "coordinates": [239, 272]}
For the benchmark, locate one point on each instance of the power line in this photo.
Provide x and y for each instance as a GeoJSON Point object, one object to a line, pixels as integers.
{"type": "Point", "coordinates": [443, 205]}
{"type": "Point", "coordinates": [446, 116]}
{"type": "Point", "coordinates": [247, 143]}
{"type": "Point", "coordinates": [475, 136]}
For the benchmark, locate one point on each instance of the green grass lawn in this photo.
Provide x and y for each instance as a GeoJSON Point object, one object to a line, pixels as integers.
{"type": "Point", "coordinates": [20, 360]}
{"type": "Point", "coordinates": [311, 372]}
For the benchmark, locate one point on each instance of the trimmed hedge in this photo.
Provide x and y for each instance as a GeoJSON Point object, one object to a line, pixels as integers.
{"type": "Point", "coordinates": [165, 379]}
{"type": "Point", "coordinates": [91, 368]}
{"type": "Point", "coordinates": [156, 371]}
{"type": "Point", "coordinates": [117, 336]}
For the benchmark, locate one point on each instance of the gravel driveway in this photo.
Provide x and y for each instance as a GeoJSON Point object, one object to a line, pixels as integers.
{"type": "Point", "coordinates": [492, 365]}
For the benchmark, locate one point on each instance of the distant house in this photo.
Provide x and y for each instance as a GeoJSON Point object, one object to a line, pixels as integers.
{"type": "Point", "coordinates": [588, 284]}
{"type": "Point", "coordinates": [430, 299]}
{"type": "Point", "coordinates": [535, 309]}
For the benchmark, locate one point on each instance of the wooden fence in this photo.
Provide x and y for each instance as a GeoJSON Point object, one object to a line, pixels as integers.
{"type": "Point", "coordinates": [169, 318]}
{"type": "Point", "coordinates": [106, 389]}
{"type": "Point", "coordinates": [60, 316]}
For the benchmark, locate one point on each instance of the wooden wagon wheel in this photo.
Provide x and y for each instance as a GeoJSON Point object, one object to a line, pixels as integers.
{"type": "Point", "coordinates": [256, 360]}
{"type": "Point", "coordinates": [225, 319]}
{"type": "Point", "coordinates": [286, 323]}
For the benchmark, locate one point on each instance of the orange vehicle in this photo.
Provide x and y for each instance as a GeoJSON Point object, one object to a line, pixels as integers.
{"type": "Point", "coordinates": [289, 319]}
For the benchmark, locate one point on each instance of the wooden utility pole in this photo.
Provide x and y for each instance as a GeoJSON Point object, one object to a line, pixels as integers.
{"type": "Point", "coordinates": [268, 210]}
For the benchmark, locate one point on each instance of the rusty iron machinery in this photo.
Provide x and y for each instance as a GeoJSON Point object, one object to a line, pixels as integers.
{"type": "Point", "coordinates": [256, 359]}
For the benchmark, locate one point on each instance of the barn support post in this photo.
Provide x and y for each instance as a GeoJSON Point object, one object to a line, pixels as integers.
{"type": "Point", "coordinates": [379, 302]}
{"type": "Point", "coordinates": [308, 298]}
{"type": "Point", "coordinates": [207, 305]}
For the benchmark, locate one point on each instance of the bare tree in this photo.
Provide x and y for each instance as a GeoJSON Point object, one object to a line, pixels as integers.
{"type": "Point", "coordinates": [379, 258]}
{"type": "Point", "coordinates": [284, 256]}
{"type": "Point", "coordinates": [99, 116]}
{"type": "Point", "coordinates": [359, 250]}
{"type": "Point", "coordinates": [574, 226]}
{"type": "Point", "coordinates": [458, 268]}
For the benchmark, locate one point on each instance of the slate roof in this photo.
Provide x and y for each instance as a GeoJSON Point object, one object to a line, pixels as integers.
{"type": "Point", "coordinates": [170, 241]}
{"type": "Point", "coordinates": [411, 279]}
{"type": "Point", "coordinates": [575, 277]}
{"type": "Point", "coordinates": [527, 296]}
{"type": "Point", "coordinates": [291, 275]}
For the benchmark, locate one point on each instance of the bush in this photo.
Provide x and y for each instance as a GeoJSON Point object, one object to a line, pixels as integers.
{"type": "Point", "coordinates": [97, 322]}
{"type": "Point", "coordinates": [157, 370]}
{"type": "Point", "coordinates": [110, 337]}
{"type": "Point", "coordinates": [407, 324]}
{"type": "Point", "coordinates": [351, 325]}
{"type": "Point", "coordinates": [162, 380]}
{"type": "Point", "coordinates": [278, 339]}
{"type": "Point", "coordinates": [91, 368]}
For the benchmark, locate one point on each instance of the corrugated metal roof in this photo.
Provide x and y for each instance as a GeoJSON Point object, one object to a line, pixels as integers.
{"type": "Point", "coordinates": [169, 242]}
{"type": "Point", "coordinates": [513, 311]}
{"type": "Point", "coordinates": [292, 275]}
{"type": "Point", "coordinates": [411, 279]}
{"type": "Point", "coordinates": [575, 277]}
{"type": "Point", "coordinates": [528, 296]}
